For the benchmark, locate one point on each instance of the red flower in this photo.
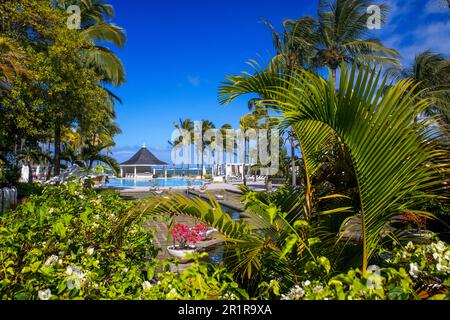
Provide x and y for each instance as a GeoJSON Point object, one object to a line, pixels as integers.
{"type": "Point", "coordinates": [411, 218]}
{"type": "Point", "coordinates": [184, 235]}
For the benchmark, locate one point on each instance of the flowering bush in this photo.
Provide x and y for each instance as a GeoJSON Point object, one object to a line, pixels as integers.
{"type": "Point", "coordinates": [428, 265]}
{"type": "Point", "coordinates": [186, 236]}
{"type": "Point", "coordinates": [199, 282]}
{"type": "Point", "coordinates": [72, 243]}
{"type": "Point", "coordinates": [390, 284]}
{"type": "Point", "coordinates": [412, 270]}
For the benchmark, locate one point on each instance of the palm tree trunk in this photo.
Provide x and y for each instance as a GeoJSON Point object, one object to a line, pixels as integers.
{"type": "Point", "coordinates": [57, 159]}
{"type": "Point", "coordinates": [201, 169]}
{"type": "Point", "coordinates": [30, 173]}
{"type": "Point", "coordinates": [334, 75]}
{"type": "Point", "coordinates": [245, 160]}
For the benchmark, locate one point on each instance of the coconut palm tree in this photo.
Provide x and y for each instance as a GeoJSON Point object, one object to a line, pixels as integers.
{"type": "Point", "coordinates": [432, 73]}
{"type": "Point", "coordinates": [188, 126]}
{"type": "Point", "coordinates": [247, 122]}
{"type": "Point", "coordinates": [341, 35]}
{"type": "Point", "coordinates": [96, 28]}
{"type": "Point", "coordinates": [223, 132]}
{"type": "Point", "coordinates": [206, 125]}
{"type": "Point", "coordinates": [377, 128]}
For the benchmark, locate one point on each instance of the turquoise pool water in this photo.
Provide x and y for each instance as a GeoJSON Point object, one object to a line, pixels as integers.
{"type": "Point", "coordinates": [155, 182]}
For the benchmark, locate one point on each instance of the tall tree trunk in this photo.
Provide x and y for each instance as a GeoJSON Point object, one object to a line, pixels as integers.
{"type": "Point", "coordinates": [245, 160]}
{"type": "Point", "coordinates": [334, 75]}
{"type": "Point", "coordinates": [57, 159]}
{"type": "Point", "coordinates": [30, 173]}
{"type": "Point", "coordinates": [201, 174]}
{"type": "Point", "coordinates": [294, 176]}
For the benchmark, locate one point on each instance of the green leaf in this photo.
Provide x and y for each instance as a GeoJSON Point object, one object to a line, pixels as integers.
{"type": "Point", "coordinates": [325, 263]}
{"type": "Point", "coordinates": [301, 224]}
{"type": "Point", "coordinates": [291, 241]}
{"type": "Point", "coordinates": [314, 241]}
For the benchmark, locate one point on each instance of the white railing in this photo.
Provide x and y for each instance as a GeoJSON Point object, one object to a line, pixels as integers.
{"type": "Point", "coordinates": [8, 199]}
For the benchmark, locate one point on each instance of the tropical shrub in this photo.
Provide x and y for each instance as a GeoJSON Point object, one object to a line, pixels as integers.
{"type": "Point", "coordinates": [63, 245]}
{"type": "Point", "coordinates": [412, 272]}
{"type": "Point", "coordinates": [428, 265]}
{"type": "Point", "coordinates": [199, 282]}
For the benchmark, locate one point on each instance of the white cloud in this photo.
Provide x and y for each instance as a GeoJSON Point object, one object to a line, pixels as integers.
{"type": "Point", "coordinates": [194, 81]}
{"type": "Point", "coordinates": [434, 37]}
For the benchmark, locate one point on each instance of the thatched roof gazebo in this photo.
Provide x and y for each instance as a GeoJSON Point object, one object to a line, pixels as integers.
{"type": "Point", "coordinates": [143, 163]}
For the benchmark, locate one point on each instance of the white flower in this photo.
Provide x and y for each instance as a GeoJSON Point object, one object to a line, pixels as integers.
{"type": "Point", "coordinates": [317, 289]}
{"type": "Point", "coordinates": [436, 256]}
{"type": "Point", "coordinates": [51, 210]}
{"type": "Point", "coordinates": [68, 271]}
{"type": "Point", "coordinates": [51, 260]}
{"type": "Point", "coordinates": [447, 255]}
{"type": "Point", "coordinates": [296, 293]}
{"type": "Point", "coordinates": [173, 294]}
{"type": "Point", "coordinates": [95, 225]}
{"type": "Point", "coordinates": [440, 246]}
{"type": "Point", "coordinates": [97, 216]}
{"type": "Point", "coordinates": [124, 270]}
{"type": "Point", "coordinates": [45, 294]}
{"type": "Point", "coordinates": [146, 285]}
{"type": "Point", "coordinates": [76, 279]}
{"type": "Point", "coordinates": [90, 251]}
{"type": "Point", "coordinates": [81, 197]}
{"type": "Point", "coordinates": [306, 283]}
{"type": "Point", "coordinates": [414, 270]}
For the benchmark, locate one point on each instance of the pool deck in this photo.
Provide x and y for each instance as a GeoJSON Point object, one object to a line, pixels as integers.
{"type": "Point", "coordinates": [233, 187]}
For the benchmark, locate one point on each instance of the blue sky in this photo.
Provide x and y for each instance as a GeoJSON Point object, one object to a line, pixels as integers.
{"type": "Point", "coordinates": [179, 51]}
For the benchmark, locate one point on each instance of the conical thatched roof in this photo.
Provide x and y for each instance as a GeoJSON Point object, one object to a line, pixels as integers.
{"type": "Point", "coordinates": [144, 158]}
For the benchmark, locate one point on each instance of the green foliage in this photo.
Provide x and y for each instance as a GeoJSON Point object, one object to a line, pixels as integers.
{"type": "Point", "coordinates": [199, 282]}
{"type": "Point", "coordinates": [63, 242]}
{"type": "Point", "coordinates": [414, 272]}
{"type": "Point", "coordinates": [26, 189]}
{"type": "Point", "coordinates": [385, 141]}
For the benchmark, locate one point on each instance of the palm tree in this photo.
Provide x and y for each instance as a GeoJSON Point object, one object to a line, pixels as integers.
{"type": "Point", "coordinates": [96, 153]}
{"type": "Point", "coordinates": [96, 28]}
{"type": "Point", "coordinates": [432, 73]}
{"type": "Point", "coordinates": [294, 46]}
{"type": "Point", "coordinates": [206, 125]}
{"type": "Point", "coordinates": [247, 122]}
{"type": "Point", "coordinates": [188, 126]}
{"type": "Point", "coordinates": [223, 132]}
{"type": "Point", "coordinates": [377, 128]}
{"type": "Point", "coordinates": [341, 35]}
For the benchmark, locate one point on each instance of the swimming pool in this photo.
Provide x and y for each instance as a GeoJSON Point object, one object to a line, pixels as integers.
{"type": "Point", "coordinates": [173, 182]}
